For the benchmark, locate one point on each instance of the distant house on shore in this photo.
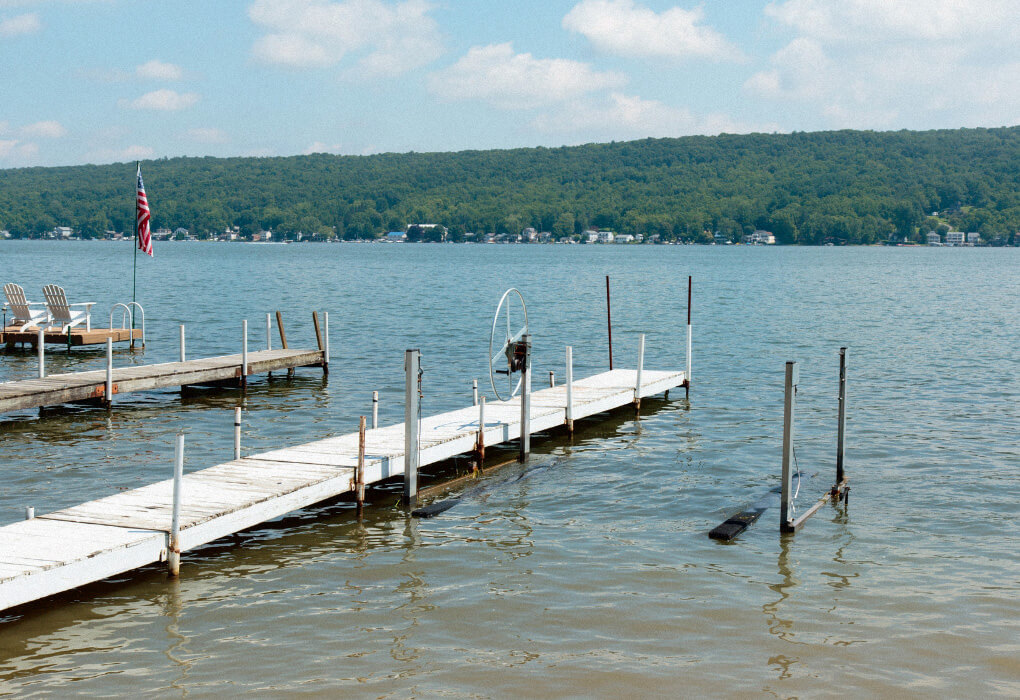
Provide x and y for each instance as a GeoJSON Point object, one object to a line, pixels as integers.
{"type": "Point", "coordinates": [63, 232]}
{"type": "Point", "coordinates": [606, 236]}
{"type": "Point", "coordinates": [954, 238]}
{"type": "Point", "coordinates": [973, 238]}
{"type": "Point", "coordinates": [760, 237]}
{"type": "Point", "coordinates": [623, 238]}
{"type": "Point", "coordinates": [396, 237]}
{"type": "Point", "coordinates": [934, 238]}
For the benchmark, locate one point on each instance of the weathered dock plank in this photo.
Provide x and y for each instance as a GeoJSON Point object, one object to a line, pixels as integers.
{"type": "Point", "coordinates": [112, 535]}
{"type": "Point", "coordinates": [81, 386]}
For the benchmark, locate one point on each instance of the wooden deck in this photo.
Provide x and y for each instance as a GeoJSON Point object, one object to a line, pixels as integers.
{"type": "Point", "coordinates": [113, 535]}
{"type": "Point", "coordinates": [11, 336]}
{"type": "Point", "coordinates": [83, 386]}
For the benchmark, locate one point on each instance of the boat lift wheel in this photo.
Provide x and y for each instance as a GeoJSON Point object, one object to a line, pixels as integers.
{"type": "Point", "coordinates": [504, 342]}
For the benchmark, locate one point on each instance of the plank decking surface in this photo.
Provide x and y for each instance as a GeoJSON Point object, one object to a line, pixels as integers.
{"type": "Point", "coordinates": [76, 336]}
{"type": "Point", "coordinates": [80, 386]}
{"type": "Point", "coordinates": [89, 542]}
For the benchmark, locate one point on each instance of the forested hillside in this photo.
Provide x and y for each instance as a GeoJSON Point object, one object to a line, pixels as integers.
{"type": "Point", "coordinates": [842, 186]}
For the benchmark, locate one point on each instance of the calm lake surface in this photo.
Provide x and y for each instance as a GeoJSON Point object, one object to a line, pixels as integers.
{"type": "Point", "coordinates": [594, 576]}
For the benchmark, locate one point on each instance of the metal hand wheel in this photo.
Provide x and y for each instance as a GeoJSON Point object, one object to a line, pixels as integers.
{"type": "Point", "coordinates": [502, 340]}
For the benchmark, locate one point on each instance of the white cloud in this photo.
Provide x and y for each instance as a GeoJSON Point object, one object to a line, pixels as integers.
{"type": "Point", "coordinates": [45, 129]}
{"type": "Point", "coordinates": [207, 135]}
{"type": "Point", "coordinates": [158, 70]}
{"type": "Point", "coordinates": [518, 81]}
{"type": "Point", "coordinates": [624, 28]}
{"type": "Point", "coordinates": [15, 151]}
{"type": "Point", "coordinates": [163, 101]}
{"type": "Point", "coordinates": [320, 147]}
{"type": "Point", "coordinates": [621, 117]}
{"type": "Point", "coordinates": [389, 38]}
{"type": "Point", "coordinates": [874, 64]}
{"type": "Point", "coordinates": [19, 25]}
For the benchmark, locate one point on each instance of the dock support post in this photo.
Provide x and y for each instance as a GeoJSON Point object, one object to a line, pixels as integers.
{"type": "Point", "coordinates": [269, 332]}
{"type": "Point", "coordinates": [474, 392]}
{"type": "Point", "coordinates": [640, 367]}
{"type": "Point", "coordinates": [375, 410]}
{"type": "Point", "coordinates": [687, 371]}
{"type": "Point", "coordinates": [244, 354]}
{"type": "Point", "coordinates": [609, 323]}
{"type": "Point", "coordinates": [360, 482]}
{"type": "Point", "coordinates": [174, 550]}
{"type": "Point", "coordinates": [29, 512]}
{"type": "Point", "coordinates": [526, 401]}
{"type": "Point", "coordinates": [108, 397]}
{"type": "Point", "coordinates": [412, 413]}
{"type": "Point", "coordinates": [789, 404]}
{"type": "Point", "coordinates": [552, 379]}
{"type": "Point", "coordinates": [41, 349]}
{"type": "Point", "coordinates": [325, 338]}
{"type": "Point", "coordinates": [237, 432]}
{"type": "Point", "coordinates": [480, 443]}
{"type": "Point", "coordinates": [283, 334]}
{"type": "Point", "coordinates": [841, 429]}
{"type": "Point", "coordinates": [183, 356]}
{"type": "Point", "coordinates": [570, 389]}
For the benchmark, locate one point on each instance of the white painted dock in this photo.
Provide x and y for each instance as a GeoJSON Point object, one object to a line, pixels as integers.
{"type": "Point", "coordinates": [68, 548]}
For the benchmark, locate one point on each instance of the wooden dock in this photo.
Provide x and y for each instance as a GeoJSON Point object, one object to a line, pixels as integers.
{"type": "Point", "coordinates": [83, 386]}
{"type": "Point", "coordinates": [75, 337]}
{"type": "Point", "coordinates": [60, 551]}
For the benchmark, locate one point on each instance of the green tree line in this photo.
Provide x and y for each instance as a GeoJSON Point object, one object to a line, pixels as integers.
{"type": "Point", "coordinates": [808, 188]}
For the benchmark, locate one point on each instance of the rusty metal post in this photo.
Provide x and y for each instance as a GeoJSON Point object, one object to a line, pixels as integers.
{"type": "Point", "coordinates": [841, 429]}
{"type": "Point", "coordinates": [526, 401]}
{"type": "Point", "coordinates": [480, 443]}
{"type": "Point", "coordinates": [361, 465]}
{"type": "Point", "coordinates": [789, 404]}
{"type": "Point", "coordinates": [283, 334]}
{"type": "Point", "coordinates": [174, 550]}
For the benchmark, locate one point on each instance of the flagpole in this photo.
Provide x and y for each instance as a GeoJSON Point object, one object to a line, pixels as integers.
{"type": "Point", "coordinates": [134, 261]}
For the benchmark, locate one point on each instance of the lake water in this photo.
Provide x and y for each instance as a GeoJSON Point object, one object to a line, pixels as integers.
{"type": "Point", "coordinates": [593, 577]}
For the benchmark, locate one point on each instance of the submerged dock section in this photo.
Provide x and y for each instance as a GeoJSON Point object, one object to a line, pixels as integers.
{"type": "Point", "coordinates": [68, 548]}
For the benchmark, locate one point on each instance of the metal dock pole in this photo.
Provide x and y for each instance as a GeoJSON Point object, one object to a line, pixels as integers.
{"type": "Point", "coordinates": [41, 348]}
{"type": "Point", "coordinates": [182, 343]}
{"type": "Point", "coordinates": [237, 432]}
{"type": "Point", "coordinates": [174, 550]}
{"type": "Point", "coordinates": [412, 412]}
{"type": "Point", "coordinates": [687, 372]}
{"type": "Point", "coordinates": [526, 401]}
{"type": "Point", "coordinates": [480, 443]}
{"type": "Point", "coordinates": [841, 430]}
{"type": "Point", "coordinates": [609, 324]}
{"type": "Point", "coordinates": [244, 354]}
{"type": "Point", "coordinates": [640, 367]}
{"type": "Point", "coordinates": [552, 379]}
{"type": "Point", "coordinates": [269, 332]}
{"type": "Point", "coordinates": [375, 410]}
{"type": "Point", "coordinates": [570, 389]}
{"type": "Point", "coordinates": [474, 392]}
{"type": "Point", "coordinates": [360, 482]}
{"type": "Point", "coordinates": [109, 372]}
{"type": "Point", "coordinates": [325, 338]}
{"type": "Point", "coordinates": [790, 401]}
{"type": "Point", "coordinates": [29, 512]}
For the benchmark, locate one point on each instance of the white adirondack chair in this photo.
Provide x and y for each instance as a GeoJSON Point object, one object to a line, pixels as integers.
{"type": "Point", "coordinates": [61, 313]}
{"type": "Point", "coordinates": [24, 314]}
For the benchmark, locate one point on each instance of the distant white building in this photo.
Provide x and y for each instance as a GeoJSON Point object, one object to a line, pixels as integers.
{"type": "Point", "coordinates": [606, 236]}
{"type": "Point", "coordinates": [5, 234]}
{"type": "Point", "coordinates": [623, 238]}
{"type": "Point", "coordinates": [954, 238]}
{"type": "Point", "coordinates": [529, 234]}
{"type": "Point", "coordinates": [63, 231]}
{"type": "Point", "coordinates": [590, 236]}
{"type": "Point", "coordinates": [973, 237]}
{"type": "Point", "coordinates": [761, 237]}
{"type": "Point", "coordinates": [934, 238]}
{"type": "Point", "coordinates": [396, 236]}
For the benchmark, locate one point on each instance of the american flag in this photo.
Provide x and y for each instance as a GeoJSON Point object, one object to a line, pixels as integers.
{"type": "Point", "coordinates": [142, 223]}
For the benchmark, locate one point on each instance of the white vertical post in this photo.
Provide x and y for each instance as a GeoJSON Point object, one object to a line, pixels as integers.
{"type": "Point", "coordinates": [526, 401]}
{"type": "Point", "coordinates": [687, 372]}
{"type": "Point", "coordinates": [174, 550]}
{"type": "Point", "coordinates": [480, 446]}
{"type": "Point", "coordinates": [29, 512]}
{"type": "Point", "coordinates": [325, 333]}
{"type": "Point", "coordinates": [269, 332]}
{"type": "Point", "coordinates": [789, 404]}
{"type": "Point", "coordinates": [109, 371]}
{"type": "Point", "coordinates": [237, 432]}
{"type": "Point", "coordinates": [41, 348]}
{"type": "Point", "coordinates": [244, 352]}
{"type": "Point", "coordinates": [552, 379]}
{"type": "Point", "coordinates": [412, 368]}
{"type": "Point", "coordinates": [474, 392]}
{"type": "Point", "coordinates": [570, 389]}
{"type": "Point", "coordinates": [640, 368]}
{"type": "Point", "coordinates": [183, 355]}
{"type": "Point", "coordinates": [375, 410]}
{"type": "Point", "coordinates": [360, 476]}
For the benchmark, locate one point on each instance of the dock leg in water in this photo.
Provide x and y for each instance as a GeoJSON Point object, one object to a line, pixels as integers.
{"type": "Point", "coordinates": [412, 414]}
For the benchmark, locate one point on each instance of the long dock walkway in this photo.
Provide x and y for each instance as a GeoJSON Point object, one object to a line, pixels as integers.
{"type": "Point", "coordinates": [68, 548]}
{"type": "Point", "coordinates": [82, 386]}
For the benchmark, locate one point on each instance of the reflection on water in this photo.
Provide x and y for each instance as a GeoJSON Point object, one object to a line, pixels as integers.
{"type": "Point", "coordinates": [592, 576]}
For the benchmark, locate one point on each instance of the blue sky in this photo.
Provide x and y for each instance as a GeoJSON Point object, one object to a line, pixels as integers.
{"type": "Point", "coordinates": [100, 81]}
